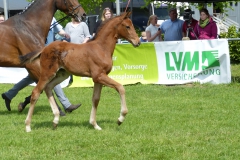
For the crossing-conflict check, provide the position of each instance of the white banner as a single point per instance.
(176, 62)
(203, 61)
(14, 75)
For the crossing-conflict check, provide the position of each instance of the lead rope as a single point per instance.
(61, 20)
(57, 22)
(127, 5)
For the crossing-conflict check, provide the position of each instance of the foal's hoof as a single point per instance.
(28, 129)
(54, 126)
(119, 122)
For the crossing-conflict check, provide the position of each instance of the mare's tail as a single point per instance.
(28, 58)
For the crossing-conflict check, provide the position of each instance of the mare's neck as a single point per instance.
(39, 16)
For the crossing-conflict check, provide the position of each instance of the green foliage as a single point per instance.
(59, 15)
(90, 5)
(234, 48)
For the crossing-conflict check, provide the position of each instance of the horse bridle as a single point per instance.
(70, 14)
(74, 8)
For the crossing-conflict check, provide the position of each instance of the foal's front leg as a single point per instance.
(105, 80)
(95, 100)
(60, 76)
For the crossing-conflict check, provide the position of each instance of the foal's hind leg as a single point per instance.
(95, 100)
(34, 97)
(43, 81)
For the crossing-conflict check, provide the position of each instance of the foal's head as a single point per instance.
(71, 8)
(126, 29)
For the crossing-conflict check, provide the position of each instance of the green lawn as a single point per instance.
(183, 122)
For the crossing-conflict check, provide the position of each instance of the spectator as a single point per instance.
(206, 27)
(9, 95)
(189, 24)
(172, 28)
(106, 14)
(78, 31)
(152, 32)
(2, 18)
(143, 37)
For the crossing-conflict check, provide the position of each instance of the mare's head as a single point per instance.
(126, 29)
(71, 8)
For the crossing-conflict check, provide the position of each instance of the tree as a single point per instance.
(90, 5)
(223, 6)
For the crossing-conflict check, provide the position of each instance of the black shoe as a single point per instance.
(7, 102)
(72, 107)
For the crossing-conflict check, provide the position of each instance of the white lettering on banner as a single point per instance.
(136, 67)
(115, 68)
(127, 76)
(114, 58)
(84, 78)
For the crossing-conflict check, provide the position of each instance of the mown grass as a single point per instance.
(164, 122)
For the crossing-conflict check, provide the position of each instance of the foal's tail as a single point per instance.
(28, 58)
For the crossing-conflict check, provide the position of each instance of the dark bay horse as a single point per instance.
(92, 59)
(27, 31)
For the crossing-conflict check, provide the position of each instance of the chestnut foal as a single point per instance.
(93, 59)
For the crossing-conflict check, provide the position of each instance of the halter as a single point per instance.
(69, 14)
(74, 8)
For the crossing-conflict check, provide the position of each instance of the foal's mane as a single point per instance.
(26, 8)
(101, 26)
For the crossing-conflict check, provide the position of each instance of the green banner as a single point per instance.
(130, 65)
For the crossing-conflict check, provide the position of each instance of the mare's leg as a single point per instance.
(95, 100)
(105, 80)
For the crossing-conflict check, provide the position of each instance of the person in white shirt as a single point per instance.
(78, 31)
(152, 32)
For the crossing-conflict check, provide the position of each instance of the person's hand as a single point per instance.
(159, 31)
(185, 38)
(67, 36)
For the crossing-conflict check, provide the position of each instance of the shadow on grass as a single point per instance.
(37, 110)
(84, 124)
(8, 112)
